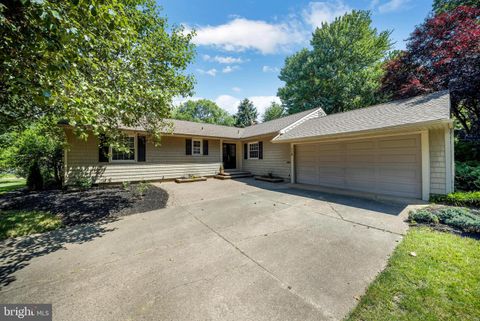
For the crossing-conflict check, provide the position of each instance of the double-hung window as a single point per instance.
(253, 150)
(196, 147)
(122, 155)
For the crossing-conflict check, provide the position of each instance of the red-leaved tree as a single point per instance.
(442, 53)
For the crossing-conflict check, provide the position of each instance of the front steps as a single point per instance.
(231, 174)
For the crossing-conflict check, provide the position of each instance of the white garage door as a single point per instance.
(390, 165)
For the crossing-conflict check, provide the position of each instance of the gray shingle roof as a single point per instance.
(274, 126)
(420, 109)
(183, 127)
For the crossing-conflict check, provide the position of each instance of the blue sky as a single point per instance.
(242, 45)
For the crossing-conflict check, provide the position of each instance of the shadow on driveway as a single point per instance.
(345, 200)
(16, 253)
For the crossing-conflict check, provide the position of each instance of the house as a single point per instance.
(402, 148)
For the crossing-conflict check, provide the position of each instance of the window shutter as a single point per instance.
(205, 147)
(188, 147)
(245, 151)
(141, 148)
(260, 150)
(103, 149)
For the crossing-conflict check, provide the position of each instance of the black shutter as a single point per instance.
(103, 149)
(205, 147)
(188, 147)
(260, 150)
(245, 151)
(141, 148)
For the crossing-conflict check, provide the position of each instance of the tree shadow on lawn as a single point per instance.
(16, 253)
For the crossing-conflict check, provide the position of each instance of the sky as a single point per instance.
(242, 45)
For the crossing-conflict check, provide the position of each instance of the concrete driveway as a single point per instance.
(221, 250)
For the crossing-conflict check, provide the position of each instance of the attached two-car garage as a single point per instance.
(386, 165)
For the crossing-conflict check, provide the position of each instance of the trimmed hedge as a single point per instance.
(457, 217)
(466, 199)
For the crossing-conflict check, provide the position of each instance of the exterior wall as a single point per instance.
(276, 159)
(438, 166)
(164, 162)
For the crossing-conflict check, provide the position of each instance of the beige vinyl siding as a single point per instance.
(164, 162)
(276, 159)
(437, 161)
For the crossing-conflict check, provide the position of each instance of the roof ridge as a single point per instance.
(389, 102)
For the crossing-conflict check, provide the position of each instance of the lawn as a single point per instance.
(19, 223)
(442, 282)
(10, 182)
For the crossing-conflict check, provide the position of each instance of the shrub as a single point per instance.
(457, 217)
(423, 216)
(466, 199)
(82, 182)
(140, 189)
(467, 176)
(34, 177)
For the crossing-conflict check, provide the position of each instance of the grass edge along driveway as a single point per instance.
(440, 283)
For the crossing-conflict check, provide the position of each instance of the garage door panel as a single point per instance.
(386, 166)
(397, 143)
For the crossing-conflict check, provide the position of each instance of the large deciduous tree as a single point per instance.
(343, 69)
(246, 115)
(94, 64)
(442, 53)
(274, 111)
(203, 111)
(441, 6)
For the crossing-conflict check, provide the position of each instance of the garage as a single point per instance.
(386, 165)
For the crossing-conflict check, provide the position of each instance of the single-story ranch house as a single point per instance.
(403, 149)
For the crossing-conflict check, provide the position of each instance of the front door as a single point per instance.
(229, 156)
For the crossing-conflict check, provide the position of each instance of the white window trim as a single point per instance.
(248, 150)
(110, 151)
(201, 146)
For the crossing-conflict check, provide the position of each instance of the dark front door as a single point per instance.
(229, 156)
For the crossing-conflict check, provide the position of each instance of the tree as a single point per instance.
(442, 6)
(343, 69)
(246, 115)
(35, 153)
(203, 111)
(442, 53)
(94, 65)
(273, 111)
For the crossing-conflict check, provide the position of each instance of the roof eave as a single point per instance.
(418, 126)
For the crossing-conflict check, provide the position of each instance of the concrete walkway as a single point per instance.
(221, 250)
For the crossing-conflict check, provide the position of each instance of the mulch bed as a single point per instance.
(96, 204)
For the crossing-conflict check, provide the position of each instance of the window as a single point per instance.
(121, 156)
(253, 150)
(196, 147)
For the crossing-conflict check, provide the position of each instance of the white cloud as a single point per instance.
(227, 102)
(223, 59)
(211, 72)
(270, 69)
(393, 5)
(177, 101)
(242, 34)
(320, 12)
(230, 103)
(237, 89)
(229, 69)
(262, 102)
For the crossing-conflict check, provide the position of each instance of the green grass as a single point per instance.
(19, 223)
(441, 283)
(10, 182)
